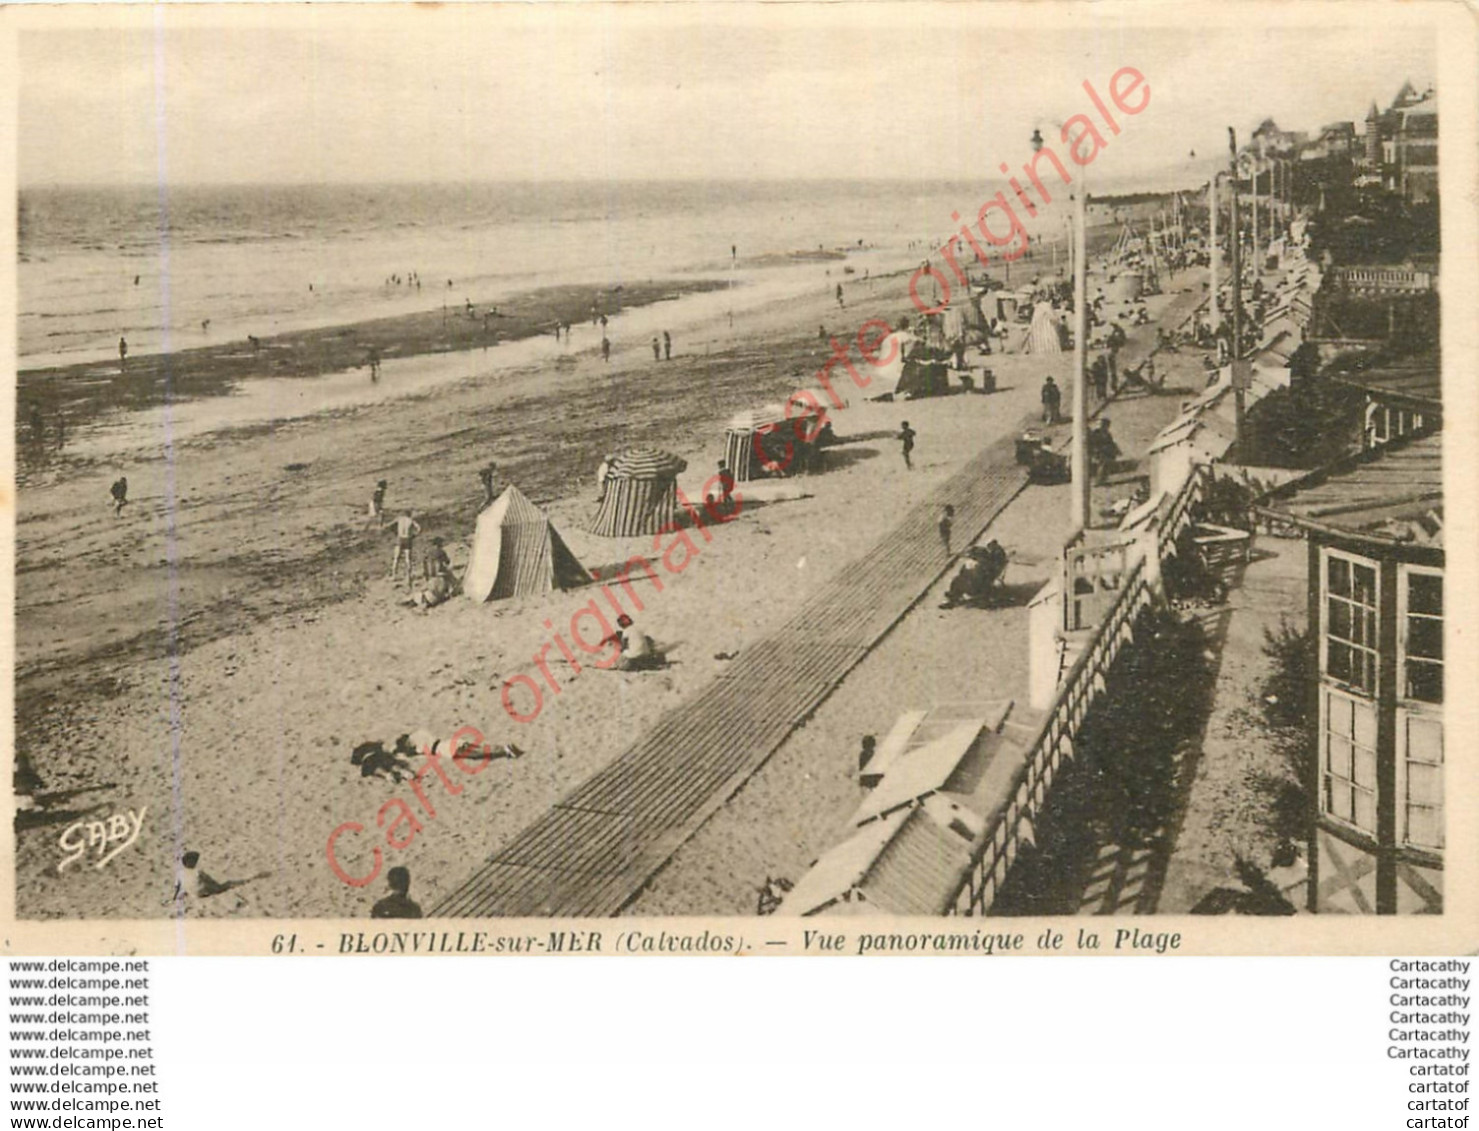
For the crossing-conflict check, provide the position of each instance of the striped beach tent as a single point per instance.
(641, 494)
(516, 551)
(1043, 336)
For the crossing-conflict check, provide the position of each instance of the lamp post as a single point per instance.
(1237, 290)
(1212, 209)
(1079, 464)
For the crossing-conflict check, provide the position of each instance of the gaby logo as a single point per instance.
(103, 838)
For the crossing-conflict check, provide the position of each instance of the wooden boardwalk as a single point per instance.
(599, 846)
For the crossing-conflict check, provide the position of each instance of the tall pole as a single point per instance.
(1255, 217)
(1080, 467)
(1237, 288)
(1212, 209)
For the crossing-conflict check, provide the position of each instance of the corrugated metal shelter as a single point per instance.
(641, 494)
(516, 551)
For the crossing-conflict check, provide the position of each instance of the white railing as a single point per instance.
(1011, 821)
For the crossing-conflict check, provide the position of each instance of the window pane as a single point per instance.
(1424, 741)
(1365, 817)
(1338, 576)
(1365, 768)
(1338, 757)
(1425, 826)
(1424, 784)
(1363, 670)
(1425, 637)
(1424, 594)
(1338, 711)
(1340, 619)
(1365, 729)
(1368, 630)
(1338, 661)
(1364, 584)
(1425, 681)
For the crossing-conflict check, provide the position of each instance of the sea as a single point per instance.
(184, 266)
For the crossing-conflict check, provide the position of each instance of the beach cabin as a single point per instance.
(910, 845)
(640, 494)
(765, 445)
(1374, 524)
(1401, 400)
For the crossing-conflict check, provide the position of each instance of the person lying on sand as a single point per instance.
(374, 760)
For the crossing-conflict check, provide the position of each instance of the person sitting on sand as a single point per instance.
(637, 651)
(119, 491)
(441, 582)
(398, 904)
(195, 881)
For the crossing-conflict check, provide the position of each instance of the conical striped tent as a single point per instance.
(1042, 335)
(516, 551)
(641, 494)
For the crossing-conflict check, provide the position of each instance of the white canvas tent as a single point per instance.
(886, 378)
(516, 551)
(1043, 335)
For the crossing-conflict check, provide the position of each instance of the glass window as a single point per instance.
(1350, 621)
(1420, 659)
(1348, 760)
(1422, 776)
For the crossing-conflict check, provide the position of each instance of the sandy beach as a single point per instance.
(274, 644)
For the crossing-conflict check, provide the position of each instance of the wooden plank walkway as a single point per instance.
(597, 848)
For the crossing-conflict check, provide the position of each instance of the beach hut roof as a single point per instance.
(646, 463)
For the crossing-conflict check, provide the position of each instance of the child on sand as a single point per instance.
(406, 529)
(947, 521)
(377, 507)
(906, 435)
(119, 491)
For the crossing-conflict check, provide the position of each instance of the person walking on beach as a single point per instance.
(1052, 398)
(122, 352)
(656, 349)
(374, 360)
(605, 348)
(119, 491)
(667, 346)
(398, 904)
(947, 523)
(906, 435)
(839, 296)
(376, 516)
(487, 474)
(406, 529)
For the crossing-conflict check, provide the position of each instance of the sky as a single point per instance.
(622, 92)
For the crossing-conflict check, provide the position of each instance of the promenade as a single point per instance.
(599, 846)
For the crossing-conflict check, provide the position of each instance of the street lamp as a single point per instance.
(1079, 498)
